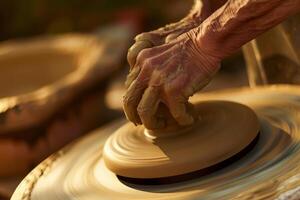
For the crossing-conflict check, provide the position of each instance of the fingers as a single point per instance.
(177, 92)
(143, 41)
(178, 109)
(154, 37)
(134, 51)
(145, 59)
(133, 74)
(131, 100)
(173, 36)
(141, 105)
(147, 108)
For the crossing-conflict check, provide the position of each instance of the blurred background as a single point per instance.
(63, 66)
(20, 19)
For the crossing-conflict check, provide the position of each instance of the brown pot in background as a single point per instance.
(52, 91)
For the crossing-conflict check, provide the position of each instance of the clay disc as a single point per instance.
(224, 129)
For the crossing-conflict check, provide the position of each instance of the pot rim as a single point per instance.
(32, 108)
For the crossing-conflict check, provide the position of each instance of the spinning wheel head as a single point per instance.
(223, 130)
(271, 169)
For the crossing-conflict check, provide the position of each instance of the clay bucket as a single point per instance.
(52, 90)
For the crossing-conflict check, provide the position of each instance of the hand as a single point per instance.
(167, 74)
(199, 12)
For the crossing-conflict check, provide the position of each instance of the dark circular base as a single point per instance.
(191, 175)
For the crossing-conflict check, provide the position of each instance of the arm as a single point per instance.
(239, 21)
(170, 73)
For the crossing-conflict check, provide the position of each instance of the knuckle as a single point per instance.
(146, 67)
(130, 52)
(146, 36)
(147, 63)
(133, 49)
(144, 54)
(141, 36)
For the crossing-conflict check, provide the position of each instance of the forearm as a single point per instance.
(239, 21)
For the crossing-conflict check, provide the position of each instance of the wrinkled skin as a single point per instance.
(200, 11)
(171, 64)
(167, 74)
(168, 77)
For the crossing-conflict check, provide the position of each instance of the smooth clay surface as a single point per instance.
(223, 129)
(270, 170)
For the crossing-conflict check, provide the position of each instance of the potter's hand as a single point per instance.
(198, 14)
(167, 74)
(170, 73)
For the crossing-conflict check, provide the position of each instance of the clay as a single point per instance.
(52, 91)
(222, 130)
(33, 97)
(269, 170)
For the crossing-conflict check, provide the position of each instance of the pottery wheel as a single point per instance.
(270, 170)
(222, 130)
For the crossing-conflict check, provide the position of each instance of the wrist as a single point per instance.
(204, 51)
(207, 62)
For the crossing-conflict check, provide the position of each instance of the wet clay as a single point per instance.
(270, 170)
(223, 129)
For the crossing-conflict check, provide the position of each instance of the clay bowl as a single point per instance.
(269, 170)
(51, 91)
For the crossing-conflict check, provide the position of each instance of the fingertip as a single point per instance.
(131, 100)
(135, 49)
(131, 115)
(147, 36)
(179, 111)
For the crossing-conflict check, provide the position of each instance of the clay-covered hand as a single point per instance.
(199, 12)
(167, 74)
